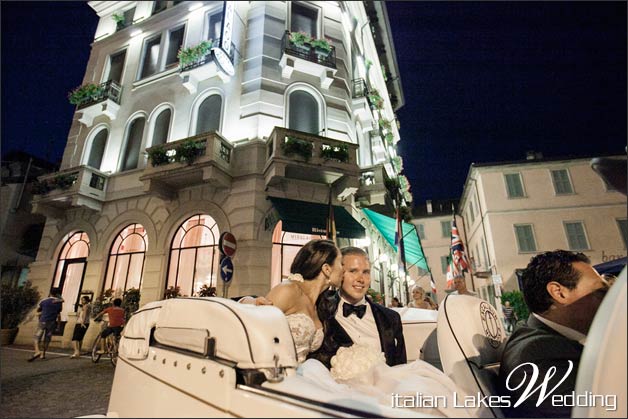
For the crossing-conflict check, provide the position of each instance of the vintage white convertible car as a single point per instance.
(212, 357)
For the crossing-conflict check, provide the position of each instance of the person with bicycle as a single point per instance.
(116, 321)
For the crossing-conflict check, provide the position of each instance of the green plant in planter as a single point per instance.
(397, 163)
(207, 291)
(157, 155)
(300, 39)
(85, 92)
(390, 138)
(130, 302)
(119, 19)
(40, 188)
(194, 53)
(302, 148)
(64, 181)
(384, 124)
(404, 184)
(172, 292)
(16, 302)
(339, 153)
(321, 45)
(375, 99)
(101, 302)
(188, 151)
(407, 196)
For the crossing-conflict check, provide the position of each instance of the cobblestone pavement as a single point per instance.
(55, 387)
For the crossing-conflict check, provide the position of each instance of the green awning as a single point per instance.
(387, 226)
(311, 218)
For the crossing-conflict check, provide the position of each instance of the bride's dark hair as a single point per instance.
(310, 259)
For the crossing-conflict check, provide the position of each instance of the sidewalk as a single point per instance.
(55, 387)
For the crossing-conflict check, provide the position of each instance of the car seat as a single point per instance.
(471, 338)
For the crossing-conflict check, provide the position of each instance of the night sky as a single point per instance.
(483, 81)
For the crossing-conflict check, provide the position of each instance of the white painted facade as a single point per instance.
(232, 190)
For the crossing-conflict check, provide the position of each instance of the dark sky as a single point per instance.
(483, 81)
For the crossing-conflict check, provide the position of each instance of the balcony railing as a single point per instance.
(359, 89)
(203, 158)
(107, 90)
(77, 187)
(308, 53)
(304, 156)
(207, 58)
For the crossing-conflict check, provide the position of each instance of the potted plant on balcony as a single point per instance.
(84, 93)
(390, 138)
(157, 155)
(322, 47)
(376, 101)
(301, 41)
(302, 148)
(188, 151)
(63, 181)
(194, 54)
(119, 19)
(339, 153)
(397, 163)
(385, 124)
(40, 187)
(16, 302)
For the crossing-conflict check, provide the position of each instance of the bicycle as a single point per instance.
(111, 348)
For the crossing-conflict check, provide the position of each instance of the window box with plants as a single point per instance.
(375, 100)
(321, 46)
(339, 153)
(86, 93)
(195, 56)
(302, 148)
(300, 41)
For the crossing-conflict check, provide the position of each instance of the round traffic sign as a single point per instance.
(227, 244)
(226, 269)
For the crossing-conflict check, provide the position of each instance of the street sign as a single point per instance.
(226, 269)
(227, 244)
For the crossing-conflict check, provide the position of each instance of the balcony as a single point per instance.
(298, 155)
(202, 159)
(372, 189)
(105, 102)
(308, 60)
(202, 69)
(361, 105)
(82, 187)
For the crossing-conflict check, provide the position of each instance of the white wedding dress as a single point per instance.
(417, 380)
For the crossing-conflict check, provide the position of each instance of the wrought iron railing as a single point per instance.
(107, 90)
(308, 53)
(360, 89)
(207, 58)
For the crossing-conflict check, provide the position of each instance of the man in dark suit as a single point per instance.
(348, 317)
(563, 292)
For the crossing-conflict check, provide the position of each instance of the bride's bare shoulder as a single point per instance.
(284, 295)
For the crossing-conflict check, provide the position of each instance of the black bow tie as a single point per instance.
(359, 311)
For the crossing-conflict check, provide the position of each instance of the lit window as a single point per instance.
(194, 255)
(70, 270)
(285, 247)
(126, 259)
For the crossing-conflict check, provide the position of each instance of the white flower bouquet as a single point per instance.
(354, 362)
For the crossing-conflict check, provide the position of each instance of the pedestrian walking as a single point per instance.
(49, 310)
(81, 326)
(509, 316)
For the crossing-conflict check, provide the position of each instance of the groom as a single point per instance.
(349, 318)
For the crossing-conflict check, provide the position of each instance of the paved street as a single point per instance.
(56, 387)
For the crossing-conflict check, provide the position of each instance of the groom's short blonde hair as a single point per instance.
(352, 250)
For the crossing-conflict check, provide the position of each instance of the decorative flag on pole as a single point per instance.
(457, 250)
(452, 272)
(331, 223)
(401, 253)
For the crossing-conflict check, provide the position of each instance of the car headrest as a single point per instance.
(248, 335)
(602, 369)
(417, 325)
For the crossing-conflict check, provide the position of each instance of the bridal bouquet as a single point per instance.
(355, 361)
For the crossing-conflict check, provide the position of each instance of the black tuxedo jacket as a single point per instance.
(541, 345)
(388, 325)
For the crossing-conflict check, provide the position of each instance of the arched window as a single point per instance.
(303, 113)
(162, 127)
(70, 270)
(208, 116)
(133, 144)
(194, 255)
(285, 247)
(97, 149)
(126, 259)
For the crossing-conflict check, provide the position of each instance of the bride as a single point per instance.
(358, 371)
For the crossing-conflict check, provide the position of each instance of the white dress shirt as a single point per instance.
(362, 331)
(567, 332)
